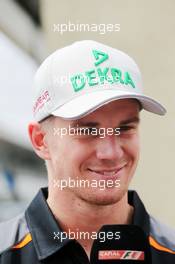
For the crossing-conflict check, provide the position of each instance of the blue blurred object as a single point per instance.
(9, 176)
(10, 179)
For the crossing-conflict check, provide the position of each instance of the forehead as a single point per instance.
(118, 109)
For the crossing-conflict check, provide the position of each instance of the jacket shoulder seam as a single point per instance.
(12, 232)
(162, 236)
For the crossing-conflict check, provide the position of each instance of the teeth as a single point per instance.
(107, 173)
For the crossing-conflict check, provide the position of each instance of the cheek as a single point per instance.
(132, 147)
(59, 151)
(79, 154)
(69, 153)
(136, 148)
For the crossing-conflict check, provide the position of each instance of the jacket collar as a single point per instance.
(42, 223)
(140, 217)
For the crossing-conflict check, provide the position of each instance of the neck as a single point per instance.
(77, 216)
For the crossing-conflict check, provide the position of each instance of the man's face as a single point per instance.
(97, 159)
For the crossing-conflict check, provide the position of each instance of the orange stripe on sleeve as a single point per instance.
(24, 242)
(156, 245)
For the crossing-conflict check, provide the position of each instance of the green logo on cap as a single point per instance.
(97, 55)
(100, 75)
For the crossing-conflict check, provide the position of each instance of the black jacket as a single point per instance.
(29, 238)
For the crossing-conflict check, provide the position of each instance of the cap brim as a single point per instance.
(87, 103)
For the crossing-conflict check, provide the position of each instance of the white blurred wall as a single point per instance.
(17, 72)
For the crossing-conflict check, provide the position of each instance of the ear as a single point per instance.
(37, 137)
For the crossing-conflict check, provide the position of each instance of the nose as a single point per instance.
(109, 148)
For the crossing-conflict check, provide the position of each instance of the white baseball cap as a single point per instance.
(76, 80)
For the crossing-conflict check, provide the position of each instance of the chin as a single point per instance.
(102, 198)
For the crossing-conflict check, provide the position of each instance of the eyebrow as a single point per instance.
(85, 124)
(96, 124)
(135, 119)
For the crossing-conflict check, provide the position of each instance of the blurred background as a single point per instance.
(29, 31)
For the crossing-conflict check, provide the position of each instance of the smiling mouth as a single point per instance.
(108, 173)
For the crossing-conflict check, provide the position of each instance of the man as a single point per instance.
(87, 101)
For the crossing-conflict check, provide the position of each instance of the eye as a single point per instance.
(86, 131)
(125, 128)
(89, 130)
(128, 129)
